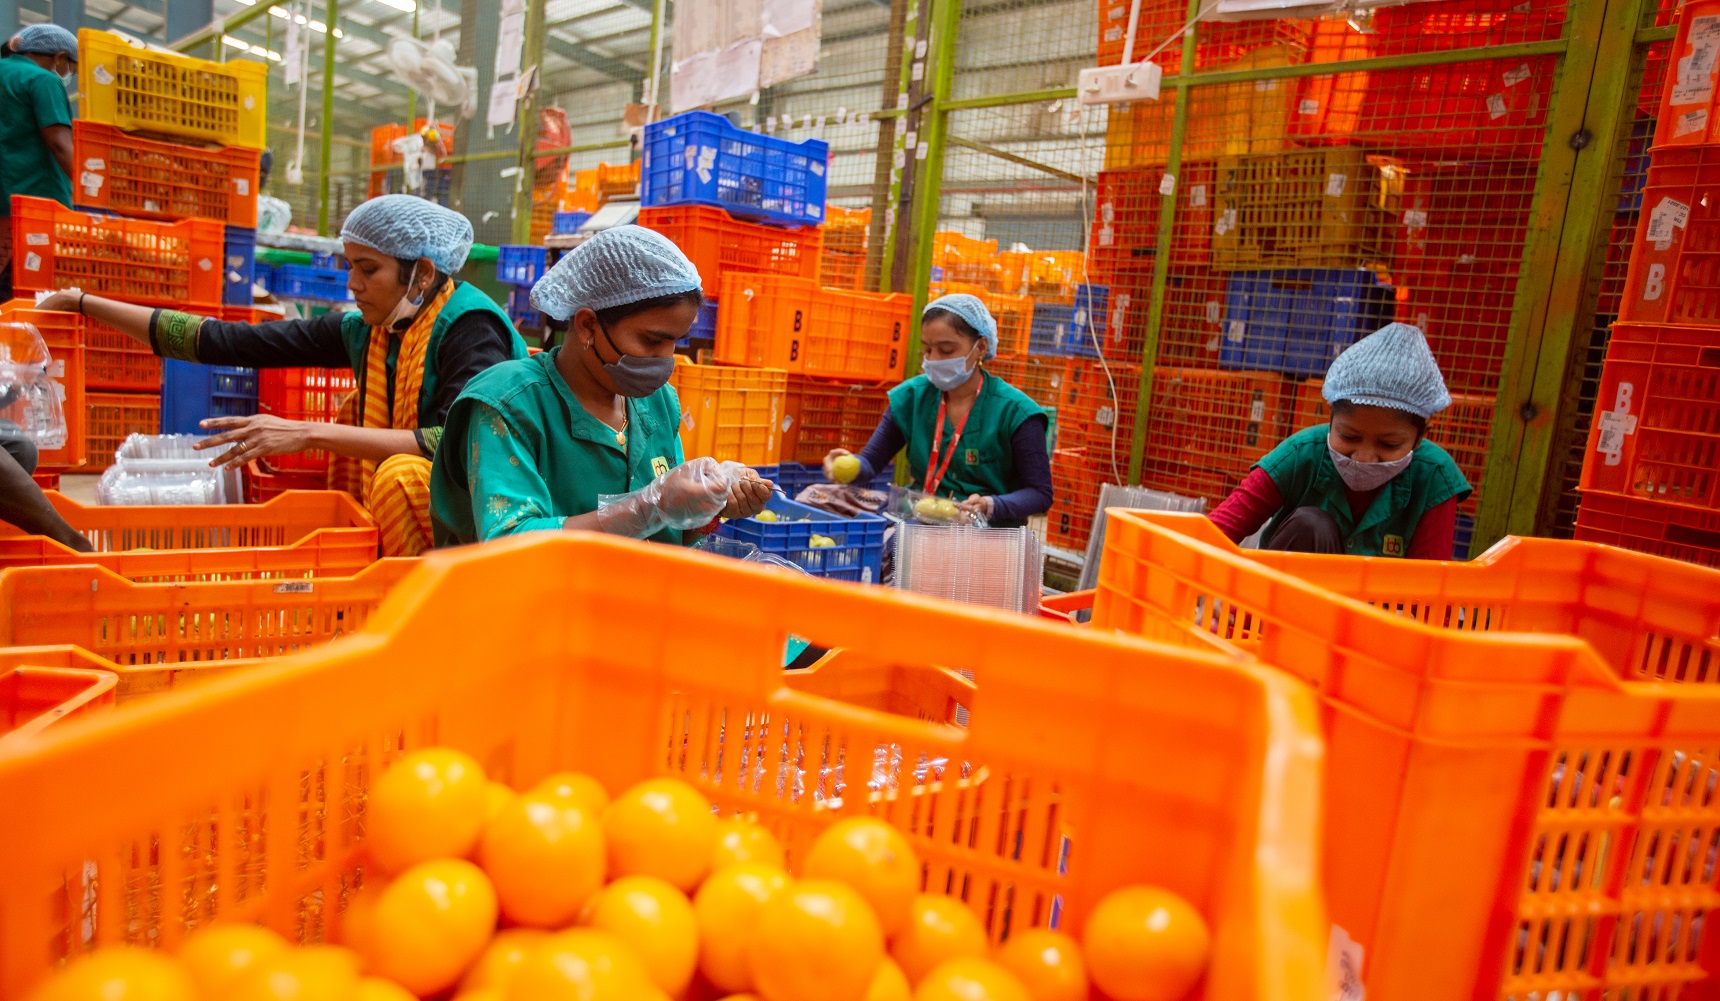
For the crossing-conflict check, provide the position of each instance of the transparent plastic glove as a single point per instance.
(685, 497)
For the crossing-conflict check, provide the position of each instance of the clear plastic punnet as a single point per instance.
(32, 401)
(166, 469)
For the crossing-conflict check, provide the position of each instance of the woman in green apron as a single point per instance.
(970, 435)
(1368, 483)
(586, 435)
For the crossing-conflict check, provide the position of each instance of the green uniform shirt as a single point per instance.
(985, 459)
(1302, 470)
(34, 98)
(521, 454)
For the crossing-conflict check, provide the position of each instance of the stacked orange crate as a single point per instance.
(1651, 469)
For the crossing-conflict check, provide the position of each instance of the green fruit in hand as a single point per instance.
(765, 516)
(845, 468)
(946, 507)
(926, 507)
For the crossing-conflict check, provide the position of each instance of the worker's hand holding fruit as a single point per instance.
(748, 494)
(975, 504)
(841, 466)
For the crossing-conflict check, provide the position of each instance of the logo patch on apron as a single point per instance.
(1392, 545)
(970, 456)
(660, 465)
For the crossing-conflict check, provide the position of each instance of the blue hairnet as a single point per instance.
(408, 227)
(971, 309)
(1391, 367)
(617, 266)
(46, 40)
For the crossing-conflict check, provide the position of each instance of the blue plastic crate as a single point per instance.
(704, 326)
(1635, 175)
(438, 182)
(700, 158)
(239, 263)
(858, 553)
(190, 392)
(1063, 329)
(793, 477)
(305, 281)
(1462, 538)
(564, 223)
(520, 265)
(336, 261)
(263, 273)
(521, 310)
(1297, 320)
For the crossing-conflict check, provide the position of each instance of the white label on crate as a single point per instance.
(57, 368)
(1196, 195)
(250, 102)
(1213, 308)
(1116, 13)
(687, 419)
(1168, 184)
(1614, 427)
(1335, 185)
(242, 185)
(1421, 319)
(707, 157)
(1080, 318)
(921, 150)
(1212, 344)
(1234, 330)
(1226, 222)
(95, 163)
(295, 587)
(1669, 215)
(1105, 416)
(91, 181)
(1113, 33)
(1257, 411)
(817, 167)
(103, 75)
(1694, 79)
(1495, 105)
(36, 239)
(770, 123)
(1344, 968)
(1107, 213)
(1266, 85)
(1414, 219)
(1309, 106)
(32, 262)
(151, 205)
(1107, 235)
(205, 264)
(787, 422)
(1690, 121)
(1514, 77)
(1466, 258)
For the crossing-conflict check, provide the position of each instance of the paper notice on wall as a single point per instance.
(780, 18)
(504, 100)
(1196, 195)
(510, 39)
(1168, 184)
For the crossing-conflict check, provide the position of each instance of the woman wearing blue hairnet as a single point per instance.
(417, 337)
(969, 434)
(587, 435)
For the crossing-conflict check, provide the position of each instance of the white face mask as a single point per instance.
(1365, 476)
(407, 308)
(946, 374)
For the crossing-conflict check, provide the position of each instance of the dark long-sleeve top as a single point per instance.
(1032, 465)
(473, 342)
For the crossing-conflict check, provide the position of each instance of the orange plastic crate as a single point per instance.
(145, 178)
(1463, 225)
(382, 138)
(112, 361)
(1039, 376)
(124, 682)
(719, 244)
(1212, 762)
(1674, 272)
(67, 369)
(138, 260)
(36, 697)
(1075, 482)
(264, 483)
(618, 180)
(47, 481)
(1678, 533)
(731, 413)
(1519, 747)
(1656, 432)
(822, 414)
(842, 269)
(303, 394)
(793, 324)
(1126, 219)
(112, 418)
(1220, 420)
(1689, 115)
(159, 623)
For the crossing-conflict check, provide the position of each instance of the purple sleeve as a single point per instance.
(887, 439)
(1033, 468)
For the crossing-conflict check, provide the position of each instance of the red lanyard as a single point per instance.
(934, 471)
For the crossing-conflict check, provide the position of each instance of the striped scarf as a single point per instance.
(354, 475)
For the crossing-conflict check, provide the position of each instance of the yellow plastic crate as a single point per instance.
(1298, 208)
(1228, 119)
(731, 413)
(147, 90)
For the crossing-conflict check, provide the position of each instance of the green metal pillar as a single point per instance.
(915, 28)
(928, 192)
(331, 17)
(1162, 253)
(1570, 222)
(525, 187)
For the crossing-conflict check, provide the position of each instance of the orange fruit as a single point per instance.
(217, 956)
(313, 973)
(481, 994)
(727, 909)
(1143, 943)
(939, 928)
(378, 989)
(970, 978)
(873, 858)
(815, 941)
(502, 957)
(742, 840)
(547, 856)
(580, 965)
(430, 804)
(656, 922)
(662, 828)
(119, 973)
(1048, 963)
(430, 924)
(890, 983)
(577, 786)
(499, 797)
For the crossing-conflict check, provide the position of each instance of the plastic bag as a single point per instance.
(165, 469)
(273, 214)
(921, 508)
(32, 401)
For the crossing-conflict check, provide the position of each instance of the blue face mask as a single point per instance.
(634, 375)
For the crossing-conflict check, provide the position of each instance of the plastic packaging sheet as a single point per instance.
(1136, 498)
(996, 567)
(165, 469)
(31, 398)
(918, 507)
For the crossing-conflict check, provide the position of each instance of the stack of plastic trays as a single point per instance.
(1135, 498)
(995, 567)
(165, 469)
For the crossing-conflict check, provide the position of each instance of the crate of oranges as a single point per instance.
(467, 800)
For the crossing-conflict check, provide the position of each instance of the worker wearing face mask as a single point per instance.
(586, 436)
(36, 64)
(970, 435)
(1368, 483)
(416, 338)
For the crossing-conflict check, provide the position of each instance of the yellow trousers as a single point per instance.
(399, 501)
